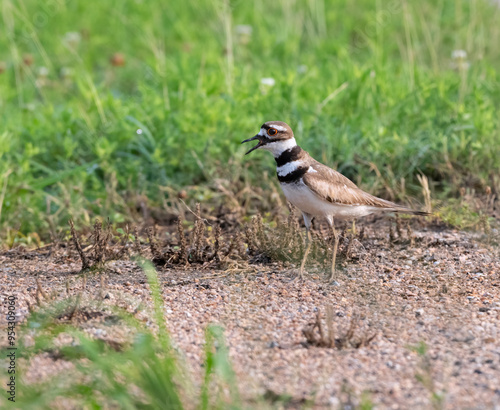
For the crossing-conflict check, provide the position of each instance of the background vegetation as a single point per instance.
(105, 102)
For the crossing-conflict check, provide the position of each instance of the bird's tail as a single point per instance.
(403, 210)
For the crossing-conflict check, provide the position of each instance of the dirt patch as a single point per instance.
(426, 303)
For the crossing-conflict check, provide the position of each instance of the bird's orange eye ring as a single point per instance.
(272, 132)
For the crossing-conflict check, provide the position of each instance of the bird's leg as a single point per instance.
(307, 221)
(351, 239)
(335, 247)
(306, 253)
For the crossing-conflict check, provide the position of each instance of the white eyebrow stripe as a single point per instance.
(278, 127)
(288, 167)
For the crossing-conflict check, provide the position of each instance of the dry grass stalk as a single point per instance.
(485, 224)
(232, 245)
(251, 239)
(158, 257)
(99, 241)
(399, 226)
(183, 253)
(123, 240)
(258, 228)
(424, 181)
(409, 233)
(361, 235)
(198, 235)
(217, 235)
(137, 244)
(343, 237)
(489, 204)
(348, 247)
(74, 308)
(76, 242)
(392, 237)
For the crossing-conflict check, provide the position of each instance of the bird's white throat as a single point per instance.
(278, 147)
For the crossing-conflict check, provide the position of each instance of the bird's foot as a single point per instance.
(299, 277)
(331, 279)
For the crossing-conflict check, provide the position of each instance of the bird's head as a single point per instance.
(274, 136)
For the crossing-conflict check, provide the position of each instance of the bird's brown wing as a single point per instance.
(330, 185)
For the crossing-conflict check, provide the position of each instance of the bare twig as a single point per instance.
(198, 216)
(76, 242)
(183, 255)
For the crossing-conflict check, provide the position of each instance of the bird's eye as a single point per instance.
(272, 132)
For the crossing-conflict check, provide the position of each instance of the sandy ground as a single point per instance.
(444, 291)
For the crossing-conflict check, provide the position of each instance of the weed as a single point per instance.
(410, 235)
(215, 255)
(198, 236)
(183, 253)
(76, 242)
(218, 371)
(137, 244)
(392, 236)
(329, 338)
(399, 227)
(98, 253)
(462, 214)
(426, 377)
(426, 192)
(158, 256)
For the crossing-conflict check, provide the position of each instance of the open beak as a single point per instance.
(257, 137)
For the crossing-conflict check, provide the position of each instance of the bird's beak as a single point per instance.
(257, 137)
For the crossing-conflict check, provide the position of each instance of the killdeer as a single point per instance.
(314, 188)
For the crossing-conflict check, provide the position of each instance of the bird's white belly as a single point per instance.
(303, 198)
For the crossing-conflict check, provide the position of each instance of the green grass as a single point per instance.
(146, 373)
(365, 85)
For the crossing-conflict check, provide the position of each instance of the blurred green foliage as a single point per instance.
(103, 100)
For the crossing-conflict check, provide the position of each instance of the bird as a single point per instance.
(316, 189)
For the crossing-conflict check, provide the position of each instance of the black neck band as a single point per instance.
(291, 154)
